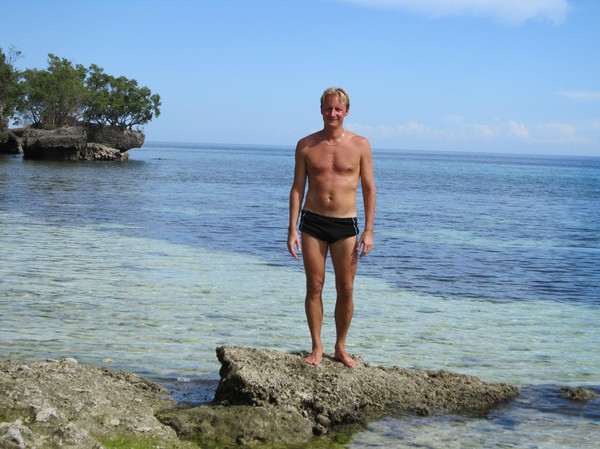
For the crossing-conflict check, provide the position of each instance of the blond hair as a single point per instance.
(339, 92)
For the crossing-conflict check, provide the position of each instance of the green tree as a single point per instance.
(56, 96)
(119, 101)
(10, 86)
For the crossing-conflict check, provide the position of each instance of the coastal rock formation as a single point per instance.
(10, 142)
(82, 142)
(264, 397)
(282, 399)
(60, 403)
(578, 394)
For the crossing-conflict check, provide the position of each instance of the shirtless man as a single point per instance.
(333, 161)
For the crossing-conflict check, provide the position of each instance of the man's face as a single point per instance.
(333, 110)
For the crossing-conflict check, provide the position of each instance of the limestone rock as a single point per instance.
(109, 136)
(261, 377)
(264, 398)
(263, 391)
(82, 142)
(59, 403)
(10, 142)
(57, 144)
(99, 152)
(580, 394)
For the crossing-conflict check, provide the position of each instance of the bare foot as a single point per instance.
(315, 358)
(344, 357)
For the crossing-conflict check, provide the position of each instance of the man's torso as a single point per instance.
(333, 173)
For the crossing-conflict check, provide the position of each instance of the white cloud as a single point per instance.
(485, 131)
(581, 95)
(457, 131)
(560, 133)
(510, 11)
(518, 130)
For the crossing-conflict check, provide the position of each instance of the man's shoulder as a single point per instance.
(360, 141)
(309, 141)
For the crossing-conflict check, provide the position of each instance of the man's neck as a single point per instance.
(333, 133)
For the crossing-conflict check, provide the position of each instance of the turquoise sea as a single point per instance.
(484, 264)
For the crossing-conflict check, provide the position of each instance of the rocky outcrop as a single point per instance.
(10, 141)
(82, 142)
(282, 399)
(578, 394)
(264, 397)
(60, 403)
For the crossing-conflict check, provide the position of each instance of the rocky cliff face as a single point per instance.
(83, 142)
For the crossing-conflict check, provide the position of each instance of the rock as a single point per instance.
(218, 426)
(110, 136)
(264, 398)
(10, 142)
(14, 435)
(579, 394)
(56, 144)
(262, 392)
(99, 152)
(60, 403)
(82, 142)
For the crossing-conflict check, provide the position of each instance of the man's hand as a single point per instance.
(366, 241)
(293, 243)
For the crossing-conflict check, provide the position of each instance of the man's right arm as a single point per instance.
(296, 197)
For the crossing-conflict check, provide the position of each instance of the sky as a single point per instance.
(503, 76)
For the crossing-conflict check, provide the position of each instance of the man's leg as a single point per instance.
(345, 261)
(314, 253)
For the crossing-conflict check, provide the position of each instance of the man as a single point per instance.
(333, 161)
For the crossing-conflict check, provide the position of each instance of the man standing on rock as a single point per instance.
(333, 161)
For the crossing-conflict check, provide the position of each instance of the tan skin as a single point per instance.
(333, 161)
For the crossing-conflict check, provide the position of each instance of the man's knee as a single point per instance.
(314, 287)
(344, 288)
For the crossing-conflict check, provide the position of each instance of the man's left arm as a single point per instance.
(367, 179)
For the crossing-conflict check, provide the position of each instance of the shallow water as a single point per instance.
(485, 265)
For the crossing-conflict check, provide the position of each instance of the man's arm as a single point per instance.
(296, 197)
(367, 178)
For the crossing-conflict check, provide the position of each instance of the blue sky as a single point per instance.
(518, 76)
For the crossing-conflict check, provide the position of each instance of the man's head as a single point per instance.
(338, 92)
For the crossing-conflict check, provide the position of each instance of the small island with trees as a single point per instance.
(70, 112)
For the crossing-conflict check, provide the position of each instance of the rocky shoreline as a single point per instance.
(264, 397)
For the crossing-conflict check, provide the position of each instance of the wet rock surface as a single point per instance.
(283, 399)
(578, 394)
(264, 397)
(62, 404)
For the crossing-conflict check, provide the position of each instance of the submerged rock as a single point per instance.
(579, 394)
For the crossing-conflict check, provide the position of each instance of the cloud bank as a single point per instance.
(509, 11)
(458, 132)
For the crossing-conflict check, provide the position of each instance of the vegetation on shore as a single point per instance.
(65, 94)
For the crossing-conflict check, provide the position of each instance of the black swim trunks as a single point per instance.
(328, 229)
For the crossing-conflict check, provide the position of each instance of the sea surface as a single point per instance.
(483, 264)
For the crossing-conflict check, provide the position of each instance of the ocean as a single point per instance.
(483, 264)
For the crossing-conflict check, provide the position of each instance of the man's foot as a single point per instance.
(344, 357)
(315, 358)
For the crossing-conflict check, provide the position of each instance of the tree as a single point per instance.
(55, 97)
(119, 101)
(10, 87)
